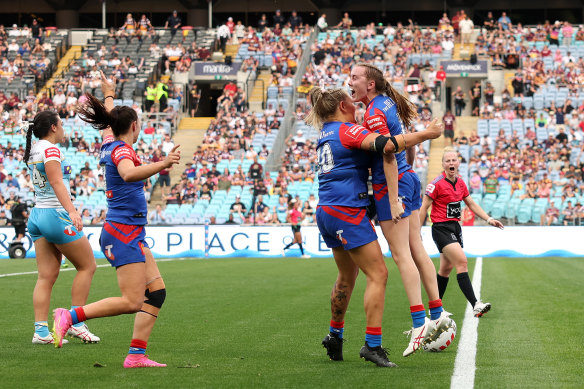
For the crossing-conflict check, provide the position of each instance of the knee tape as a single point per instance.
(156, 298)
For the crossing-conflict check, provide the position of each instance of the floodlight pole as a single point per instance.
(103, 12)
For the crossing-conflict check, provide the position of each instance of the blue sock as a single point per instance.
(418, 315)
(435, 309)
(373, 336)
(41, 328)
(74, 316)
(337, 328)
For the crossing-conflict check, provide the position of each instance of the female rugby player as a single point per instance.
(55, 226)
(122, 237)
(341, 213)
(445, 194)
(388, 112)
(294, 217)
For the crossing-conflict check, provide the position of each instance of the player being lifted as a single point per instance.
(388, 112)
(122, 237)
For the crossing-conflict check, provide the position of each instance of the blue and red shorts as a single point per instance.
(409, 191)
(344, 226)
(123, 244)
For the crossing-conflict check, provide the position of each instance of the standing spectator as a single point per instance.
(346, 21)
(466, 28)
(504, 21)
(449, 121)
(174, 22)
(321, 23)
(278, 19)
(150, 94)
(162, 95)
(230, 24)
(459, 103)
(262, 23)
(36, 30)
(223, 34)
(295, 20)
(475, 98)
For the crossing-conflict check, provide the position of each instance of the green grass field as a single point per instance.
(259, 322)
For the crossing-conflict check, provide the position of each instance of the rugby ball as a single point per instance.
(444, 340)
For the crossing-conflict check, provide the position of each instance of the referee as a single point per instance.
(445, 194)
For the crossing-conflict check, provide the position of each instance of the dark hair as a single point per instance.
(40, 127)
(118, 119)
(405, 109)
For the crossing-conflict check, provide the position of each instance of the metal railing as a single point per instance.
(274, 159)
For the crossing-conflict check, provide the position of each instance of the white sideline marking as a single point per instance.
(464, 366)
(105, 265)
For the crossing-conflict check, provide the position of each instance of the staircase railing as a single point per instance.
(275, 157)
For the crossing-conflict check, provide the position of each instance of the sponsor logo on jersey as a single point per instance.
(373, 122)
(388, 104)
(121, 153)
(109, 194)
(69, 231)
(52, 152)
(354, 131)
(430, 188)
(340, 237)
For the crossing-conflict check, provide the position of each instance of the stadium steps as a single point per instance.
(74, 52)
(260, 91)
(464, 123)
(463, 52)
(231, 50)
(189, 135)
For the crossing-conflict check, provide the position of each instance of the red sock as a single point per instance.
(435, 303)
(80, 314)
(337, 324)
(373, 330)
(417, 308)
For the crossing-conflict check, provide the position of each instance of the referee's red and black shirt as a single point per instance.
(447, 196)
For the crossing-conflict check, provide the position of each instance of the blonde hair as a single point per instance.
(449, 150)
(405, 109)
(324, 105)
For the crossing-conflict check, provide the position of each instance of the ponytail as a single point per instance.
(94, 112)
(29, 132)
(405, 109)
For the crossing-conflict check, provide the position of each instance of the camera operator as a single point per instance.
(19, 212)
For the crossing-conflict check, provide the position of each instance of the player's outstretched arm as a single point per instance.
(131, 173)
(481, 213)
(108, 88)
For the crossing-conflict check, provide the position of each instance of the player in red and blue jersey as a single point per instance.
(342, 217)
(444, 194)
(122, 238)
(388, 112)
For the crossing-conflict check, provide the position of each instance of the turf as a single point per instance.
(259, 322)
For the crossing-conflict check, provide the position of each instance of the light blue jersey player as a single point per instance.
(48, 218)
(55, 226)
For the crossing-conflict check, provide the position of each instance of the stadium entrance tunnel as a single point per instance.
(210, 92)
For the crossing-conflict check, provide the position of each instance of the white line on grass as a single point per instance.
(106, 265)
(464, 366)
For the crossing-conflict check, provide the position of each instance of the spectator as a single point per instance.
(569, 214)
(468, 217)
(466, 29)
(449, 121)
(459, 104)
(278, 19)
(345, 22)
(491, 184)
(223, 35)
(174, 22)
(230, 220)
(295, 20)
(504, 21)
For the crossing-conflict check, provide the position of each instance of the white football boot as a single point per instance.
(420, 336)
(83, 333)
(481, 308)
(37, 339)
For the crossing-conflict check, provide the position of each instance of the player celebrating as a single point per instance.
(341, 214)
(294, 217)
(388, 112)
(122, 237)
(445, 194)
(55, 226)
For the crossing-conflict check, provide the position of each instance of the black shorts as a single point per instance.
(20, 229)
(296, 228)
(446, 233)
(449, 134)
(164, 180)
